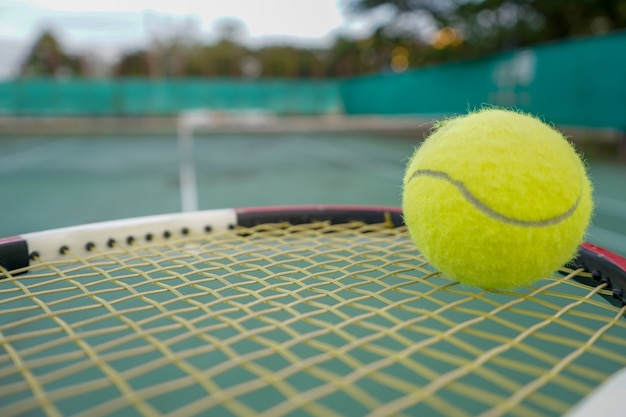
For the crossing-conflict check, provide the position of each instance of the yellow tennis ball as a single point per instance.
(496, 199)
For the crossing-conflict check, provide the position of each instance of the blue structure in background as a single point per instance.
(580, 82)
(162, 97)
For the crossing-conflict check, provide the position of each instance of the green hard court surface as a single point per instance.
(49, 182)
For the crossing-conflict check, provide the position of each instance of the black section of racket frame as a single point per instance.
(14, 253)
(334, 215)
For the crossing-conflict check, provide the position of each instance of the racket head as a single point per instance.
(312, 310)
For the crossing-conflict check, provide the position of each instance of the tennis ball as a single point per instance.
(496, 199)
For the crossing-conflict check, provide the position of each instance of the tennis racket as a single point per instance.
(297, 311)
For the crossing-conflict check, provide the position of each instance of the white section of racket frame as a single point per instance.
(606, 400)
(51, 244)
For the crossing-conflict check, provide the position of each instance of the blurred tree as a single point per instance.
(475, 28)
(179, 57)
(225, 58)
(412, 33)
(382, 51)
(199, 63)
(47, 59)
(231, 29)
(133, 64)
(564, 18)
(344, 58)
(279, 61)
(288, 61)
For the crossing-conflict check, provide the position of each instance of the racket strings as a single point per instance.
(553, 372)
(278, 318)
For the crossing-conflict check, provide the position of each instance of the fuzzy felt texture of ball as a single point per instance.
(496, 199)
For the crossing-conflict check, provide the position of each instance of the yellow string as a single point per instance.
(327, 319)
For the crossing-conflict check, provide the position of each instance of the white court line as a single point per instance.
(187, 170)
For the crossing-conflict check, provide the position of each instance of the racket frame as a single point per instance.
(603, 266)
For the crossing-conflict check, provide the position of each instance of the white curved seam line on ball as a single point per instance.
(485, 209)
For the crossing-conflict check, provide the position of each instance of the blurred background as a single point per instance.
(302, 101)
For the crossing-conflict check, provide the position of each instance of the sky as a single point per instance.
(108, 27)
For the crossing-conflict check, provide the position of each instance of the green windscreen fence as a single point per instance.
(139, 97)
(580, 82)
